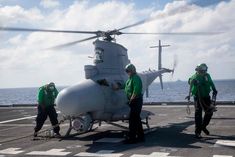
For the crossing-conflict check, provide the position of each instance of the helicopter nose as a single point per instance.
(81, 98)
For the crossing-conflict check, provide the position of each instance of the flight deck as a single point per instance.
(171, 134)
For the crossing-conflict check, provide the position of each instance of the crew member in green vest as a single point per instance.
(133, 90)
(201, 85)
(46, 102)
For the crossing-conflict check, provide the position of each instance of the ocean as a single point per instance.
(172, 92)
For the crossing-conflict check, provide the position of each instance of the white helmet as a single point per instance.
(130, 68)
(201, 67)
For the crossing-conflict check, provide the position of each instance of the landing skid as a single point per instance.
(78, 133)
(118, 125)
(145, 122)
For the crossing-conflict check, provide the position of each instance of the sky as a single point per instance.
(24, 62)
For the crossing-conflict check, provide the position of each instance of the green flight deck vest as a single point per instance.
(46, 96)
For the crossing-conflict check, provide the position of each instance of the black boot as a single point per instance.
(198, 136)
(57, 135)
(206, 131)
(35, 134)
(198, 133)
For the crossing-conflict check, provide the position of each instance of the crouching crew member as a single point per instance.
(46, 102)
(200, 87)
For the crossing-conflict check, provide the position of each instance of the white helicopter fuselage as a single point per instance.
(95, 95)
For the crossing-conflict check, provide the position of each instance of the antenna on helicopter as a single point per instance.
(160, 46)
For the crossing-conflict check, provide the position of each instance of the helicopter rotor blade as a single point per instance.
(72, 43)
(44, 30)
(138, 23)
(181, 9)
(173, 33)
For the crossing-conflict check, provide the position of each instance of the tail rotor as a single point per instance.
(175, 63)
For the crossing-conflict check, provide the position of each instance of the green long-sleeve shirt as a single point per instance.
(47, 97)
(133, 86)
(201, 84)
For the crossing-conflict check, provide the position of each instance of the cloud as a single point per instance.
(15, 40)
(16, 14)
(23, 58)
(49, 3)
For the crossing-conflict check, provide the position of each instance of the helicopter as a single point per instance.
(94, 100)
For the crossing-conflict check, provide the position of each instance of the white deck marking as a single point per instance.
(182, 106)
(102, 153)
(154, 154)
(17, 119)
(13, 126)
(73, 146)
(222, 156)
(226, 143)
(110, 140)
(20, 125)
(53, 152)
(11, 151)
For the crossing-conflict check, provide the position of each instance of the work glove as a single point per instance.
(187, 97)
(215, 92)
(130, 102)
(195, 82)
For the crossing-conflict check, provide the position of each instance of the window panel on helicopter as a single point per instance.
(99, 53)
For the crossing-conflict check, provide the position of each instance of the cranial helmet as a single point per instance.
(51, 86)
(130, 68)
(201, 67)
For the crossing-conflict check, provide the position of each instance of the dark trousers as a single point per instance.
(42, 116)
(205, 105)
(135, 124)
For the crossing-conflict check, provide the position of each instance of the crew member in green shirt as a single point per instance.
(133, 90)
(200, 88)
(46, 101)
